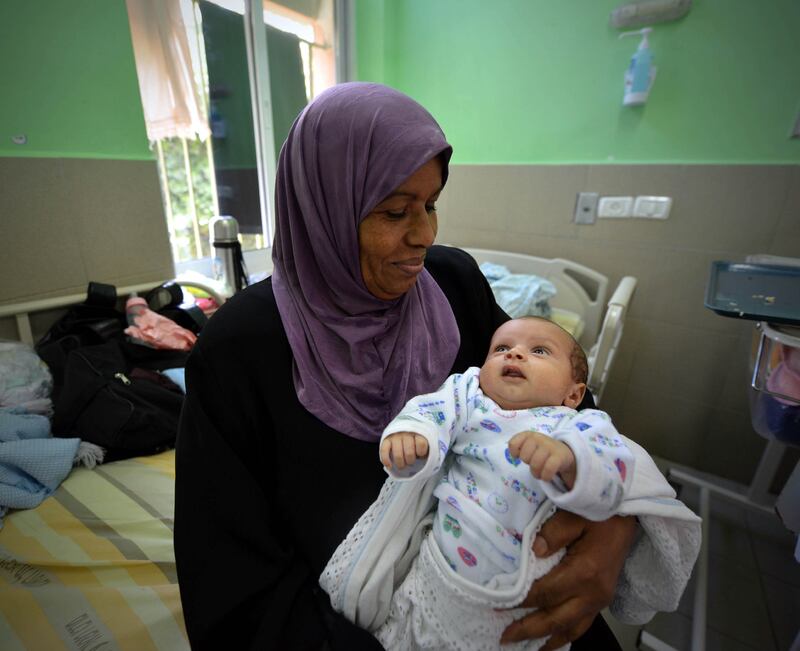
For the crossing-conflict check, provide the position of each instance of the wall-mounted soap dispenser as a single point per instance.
(641, 73)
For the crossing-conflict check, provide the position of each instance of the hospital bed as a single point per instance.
(93, 565)
(580, 305)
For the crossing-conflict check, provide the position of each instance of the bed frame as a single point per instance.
(22, 312)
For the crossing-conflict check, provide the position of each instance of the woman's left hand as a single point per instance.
(572, 594)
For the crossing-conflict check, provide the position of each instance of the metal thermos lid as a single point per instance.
(224, 229)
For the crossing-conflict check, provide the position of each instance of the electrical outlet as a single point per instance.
(586, 207)
(652, 207)
(615, 207)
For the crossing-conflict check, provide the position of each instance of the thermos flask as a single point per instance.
(228, 262)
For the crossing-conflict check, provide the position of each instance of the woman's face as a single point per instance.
(394, 237)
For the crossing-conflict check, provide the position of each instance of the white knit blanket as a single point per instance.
(375, 558)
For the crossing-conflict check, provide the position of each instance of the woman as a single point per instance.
(293, 380)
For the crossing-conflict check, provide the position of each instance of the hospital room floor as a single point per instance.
(753, 586)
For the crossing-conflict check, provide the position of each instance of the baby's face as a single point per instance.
(529, 365)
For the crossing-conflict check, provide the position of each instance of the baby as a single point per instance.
(519, 408)
(492, 453)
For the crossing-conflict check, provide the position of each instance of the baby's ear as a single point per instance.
(575, 395)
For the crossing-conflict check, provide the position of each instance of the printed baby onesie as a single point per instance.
(486, 497)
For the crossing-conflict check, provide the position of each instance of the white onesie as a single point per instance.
(392, 578)
(485, 496)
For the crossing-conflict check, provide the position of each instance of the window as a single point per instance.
(224, 163)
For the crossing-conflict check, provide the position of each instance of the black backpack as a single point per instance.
(107, 390)
(104, 399)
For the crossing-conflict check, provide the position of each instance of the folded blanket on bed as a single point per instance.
(519, 294)
(32, 463)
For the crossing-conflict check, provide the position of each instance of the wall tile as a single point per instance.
(473, 237)
(76, 220)
(787, 234)
(729, 446)
(470, 200)
(121, 222)
(40, 239)
(664, 425)
(730, 208)
(520, 199)
(783, 601)
(613, 401)
(776, 558)
(689, 363)
(736, 607)
(674, 629)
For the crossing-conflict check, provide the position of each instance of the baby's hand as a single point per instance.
(545, 456)
(403, 448)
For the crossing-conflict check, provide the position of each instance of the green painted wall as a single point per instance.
(68, 80)
(535, 81)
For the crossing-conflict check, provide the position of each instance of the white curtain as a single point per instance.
(168, 68)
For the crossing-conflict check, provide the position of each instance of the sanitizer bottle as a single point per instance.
(641, 73)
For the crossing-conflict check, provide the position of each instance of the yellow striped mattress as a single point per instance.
(92, 568)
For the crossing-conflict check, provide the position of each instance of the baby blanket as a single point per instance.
(374, 559)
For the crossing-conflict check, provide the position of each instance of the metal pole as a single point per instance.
(167, 198)
(701, 589)
(258, 68)
(198, 246)
(739, 498)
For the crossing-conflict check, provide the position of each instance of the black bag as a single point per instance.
(92, 322)
(126, 409)
(97, 320)
(105, 388)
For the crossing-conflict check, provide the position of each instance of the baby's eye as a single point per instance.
(501, 348)
(430, 209)
(540, 350)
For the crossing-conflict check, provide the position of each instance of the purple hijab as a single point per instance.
(357, 358)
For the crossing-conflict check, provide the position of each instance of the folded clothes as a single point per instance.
(153, 329)
(16, 424)
(519, 294)
(25, 379)
(32, 463)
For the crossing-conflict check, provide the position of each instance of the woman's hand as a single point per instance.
(571, 595)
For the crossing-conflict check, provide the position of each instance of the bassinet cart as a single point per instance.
(765, 289)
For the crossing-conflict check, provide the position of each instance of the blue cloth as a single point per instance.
(177, 375)
(519, 294)
(32, 463)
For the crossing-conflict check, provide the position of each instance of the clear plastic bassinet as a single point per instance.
(769, 294)
(775, 382)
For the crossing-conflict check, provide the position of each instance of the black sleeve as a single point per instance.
(244, 583)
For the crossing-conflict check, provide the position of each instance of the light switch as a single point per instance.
(652, 207)
(615, 207)
(586, 207)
